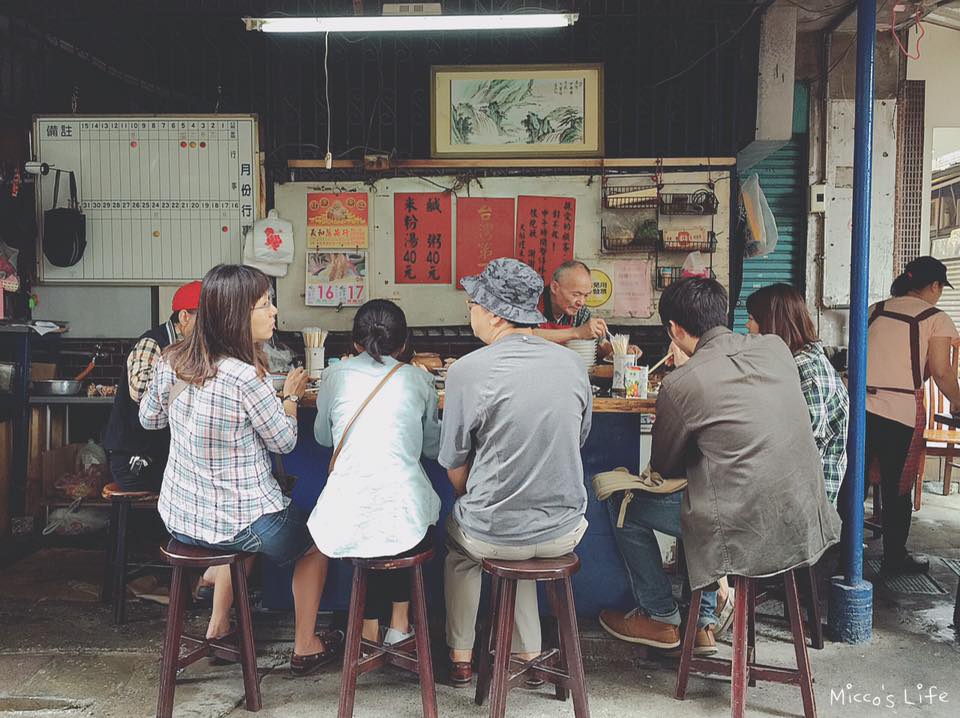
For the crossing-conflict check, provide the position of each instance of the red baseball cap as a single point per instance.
(187, 297)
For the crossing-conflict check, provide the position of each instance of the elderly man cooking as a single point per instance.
(568, 316)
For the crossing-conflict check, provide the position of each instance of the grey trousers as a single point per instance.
(462, 577)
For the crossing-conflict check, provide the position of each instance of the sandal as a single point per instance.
(305, 665)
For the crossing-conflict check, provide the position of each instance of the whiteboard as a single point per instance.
(838, 216)
(165, 197)
(444, 305)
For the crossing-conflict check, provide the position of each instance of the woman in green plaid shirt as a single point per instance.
(779, 309)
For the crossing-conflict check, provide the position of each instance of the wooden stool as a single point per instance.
(810, 595)
(562, 666)
(182, 558)
(114, 588)
(744, 669)
(412, 654)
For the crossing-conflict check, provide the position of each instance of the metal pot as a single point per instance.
(56, 387)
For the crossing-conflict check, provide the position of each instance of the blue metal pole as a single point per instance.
(851, 598)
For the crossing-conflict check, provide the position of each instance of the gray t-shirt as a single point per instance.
(518, 410)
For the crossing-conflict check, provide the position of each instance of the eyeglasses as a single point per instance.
(265, 306)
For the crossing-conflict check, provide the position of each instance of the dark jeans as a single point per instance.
(384, 588)
(148, 479)
(889, 441)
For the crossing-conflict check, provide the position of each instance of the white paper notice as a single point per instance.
(632, 289)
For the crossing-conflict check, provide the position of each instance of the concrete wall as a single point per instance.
(938, 65)
(97, 312)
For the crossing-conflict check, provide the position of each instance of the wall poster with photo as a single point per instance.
(336, 278)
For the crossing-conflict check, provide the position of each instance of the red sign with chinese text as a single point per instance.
(422, 238)
(545, 232)
(484, 232)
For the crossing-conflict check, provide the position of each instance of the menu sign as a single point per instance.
(422, 237)
(545, 232)
(484, 232)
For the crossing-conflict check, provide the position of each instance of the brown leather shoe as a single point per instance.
(635, 627)
(704, 643)
(461, 673)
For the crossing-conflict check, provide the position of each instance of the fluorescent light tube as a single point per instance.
(411, 23)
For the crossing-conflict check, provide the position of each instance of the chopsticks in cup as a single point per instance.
(314, 337)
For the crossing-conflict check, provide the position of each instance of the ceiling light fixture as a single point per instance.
(411, 23)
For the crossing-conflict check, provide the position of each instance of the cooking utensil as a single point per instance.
(659, 363)
(56, 387)
(90, 366)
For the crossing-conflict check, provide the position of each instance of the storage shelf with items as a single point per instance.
(628, 219)
(668, 275)
(701, 202)
(688, 240)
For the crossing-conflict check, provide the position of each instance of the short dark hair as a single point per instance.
(697, 305)
(175, 316)
(380, 327)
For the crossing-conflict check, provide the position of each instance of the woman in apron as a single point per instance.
(908, 341)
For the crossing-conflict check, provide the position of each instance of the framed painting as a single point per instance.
(516, 111)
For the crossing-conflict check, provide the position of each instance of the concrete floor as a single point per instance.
(68, 660)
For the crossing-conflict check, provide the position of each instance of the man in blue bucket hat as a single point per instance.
(516, 414)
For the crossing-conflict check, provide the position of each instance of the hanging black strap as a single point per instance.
(914, 323)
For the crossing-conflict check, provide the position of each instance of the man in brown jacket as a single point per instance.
(733, 420)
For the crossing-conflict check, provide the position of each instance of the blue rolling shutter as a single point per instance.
(783, 179)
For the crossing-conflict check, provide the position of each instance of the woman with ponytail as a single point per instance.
(908, 341)
(378, 500)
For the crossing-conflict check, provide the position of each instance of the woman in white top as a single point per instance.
(378, 500)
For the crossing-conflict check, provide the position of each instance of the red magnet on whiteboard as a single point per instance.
(226, 228)
(183, 144)
(202, 145)
(133, 144)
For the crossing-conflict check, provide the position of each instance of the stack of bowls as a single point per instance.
(586, 349)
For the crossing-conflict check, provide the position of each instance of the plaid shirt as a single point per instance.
(829, 409)
(142, 360)
(218, 479)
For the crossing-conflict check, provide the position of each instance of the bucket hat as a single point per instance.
(508, 288)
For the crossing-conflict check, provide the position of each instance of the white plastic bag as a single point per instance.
(695, 265)
(273, 239)
(271, 269)
(761, 227)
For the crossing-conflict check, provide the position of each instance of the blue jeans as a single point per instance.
(281, 536)
(651, 586)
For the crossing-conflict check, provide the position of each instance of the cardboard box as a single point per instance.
(42, 371)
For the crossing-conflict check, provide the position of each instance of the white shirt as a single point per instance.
(378, 501)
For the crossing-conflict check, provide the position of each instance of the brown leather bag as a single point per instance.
(343, 437)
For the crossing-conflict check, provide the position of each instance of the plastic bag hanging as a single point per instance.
(761, 227)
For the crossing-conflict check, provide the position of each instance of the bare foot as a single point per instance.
(218, 629)
(309, 647)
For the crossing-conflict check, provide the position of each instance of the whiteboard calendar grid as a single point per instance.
(165, 197)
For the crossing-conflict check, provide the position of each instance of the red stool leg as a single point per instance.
(351, 646)
(504, 637)
(487, 636)
(428, 691)
(553, 596)
(739, 669)
(813, 608)
(248, 649)
(571, 643)
(800, 644)
(171, 643)
(686, 650)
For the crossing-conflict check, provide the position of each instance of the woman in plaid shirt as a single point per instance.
(218, 490)
(779, 309)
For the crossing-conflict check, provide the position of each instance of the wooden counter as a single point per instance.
(601, 405)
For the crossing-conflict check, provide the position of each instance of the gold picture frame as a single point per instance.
(516, 111)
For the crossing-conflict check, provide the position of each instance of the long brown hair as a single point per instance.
(779, 309)
(228, 295)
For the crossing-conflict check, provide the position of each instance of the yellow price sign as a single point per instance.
(602, 289)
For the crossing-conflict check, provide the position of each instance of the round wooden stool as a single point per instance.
(744, 669)
(412, 654)
(562, 666)
(114, 588)
(184, 558)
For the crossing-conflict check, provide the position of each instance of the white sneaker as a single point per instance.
(394, 636)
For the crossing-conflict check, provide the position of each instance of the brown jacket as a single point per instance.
(733, 420)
